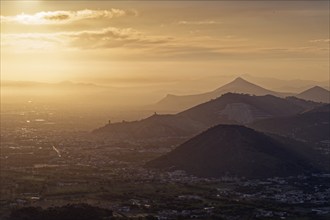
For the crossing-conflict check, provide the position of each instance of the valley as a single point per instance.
(46, 163)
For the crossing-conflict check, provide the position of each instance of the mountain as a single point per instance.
(155, 126)
(316, 93)
(310, 126)
(230, 108)
(306, 104)
(239, 85)
(233, 150)
(292, 85)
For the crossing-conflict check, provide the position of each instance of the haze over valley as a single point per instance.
(164, 110)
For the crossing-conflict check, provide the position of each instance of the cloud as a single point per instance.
(320, 41)
(110, 37)
(204, 22)
(65, 17)
(134, 44)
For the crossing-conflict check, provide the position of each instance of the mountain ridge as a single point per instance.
(238, 85)
(230, 108)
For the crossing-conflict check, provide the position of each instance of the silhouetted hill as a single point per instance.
(156, 126)
(228, 109)
(235, 150)
(239, 85)
(312, 126)
(307, 104)
(317, 94)
(243, 109)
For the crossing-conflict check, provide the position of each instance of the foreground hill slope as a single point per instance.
(228, 109)
(235, 150)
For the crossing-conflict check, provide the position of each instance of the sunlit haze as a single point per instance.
(156, 43)
(157, 110)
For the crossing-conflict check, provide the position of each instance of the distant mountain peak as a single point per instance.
(240, 85)
(317, 88)
(316, 93)
(239, 79)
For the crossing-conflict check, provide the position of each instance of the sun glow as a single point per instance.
(31, 19)
(62, 17)
(68, 36)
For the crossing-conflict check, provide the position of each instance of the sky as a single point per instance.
(141, 43)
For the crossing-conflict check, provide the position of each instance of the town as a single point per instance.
(44, 165)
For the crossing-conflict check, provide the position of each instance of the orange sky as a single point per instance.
(145, 42)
